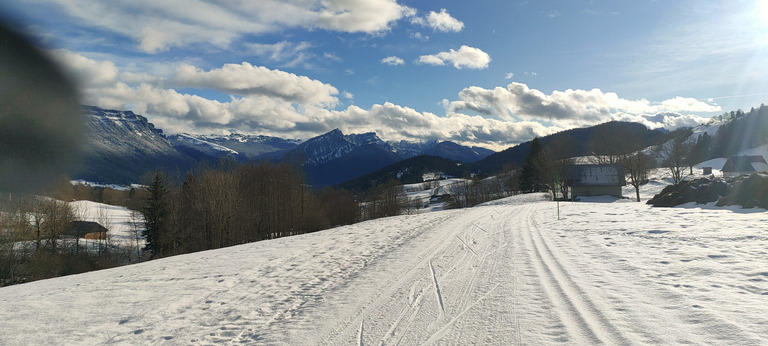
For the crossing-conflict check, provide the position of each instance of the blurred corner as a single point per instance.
(41, 121)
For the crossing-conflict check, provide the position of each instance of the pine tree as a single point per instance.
(531, 175)
(155, 216)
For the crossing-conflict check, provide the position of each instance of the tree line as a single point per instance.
(238, 203)
(545, 167)
(39, 240)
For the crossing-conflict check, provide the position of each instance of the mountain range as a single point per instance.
(122, 146)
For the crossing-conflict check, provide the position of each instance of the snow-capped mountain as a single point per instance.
(235, 145)
(324, 148)
(456, 152)
(410, 149)
(121, 146)
(334, 144)
(334, 157)
(208, 147)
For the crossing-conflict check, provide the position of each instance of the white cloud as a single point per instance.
(509, 75)
(466, 56)
(157, 26)
(393, 61)
(688, 104)
(431, 60)
(419, 36)
(246, 79)
(360, 15)
(441, 21)
(289, 53)
(85, 71)
(277, 103)
(573, 108)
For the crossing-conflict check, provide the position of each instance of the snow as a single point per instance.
(211, 146)
(416, 192)
(121, 222)
(710, 129)
(99, 185)
(506, 272)
(717, 163)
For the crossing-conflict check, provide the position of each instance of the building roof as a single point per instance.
(743, 163)
(595, 175)
(81, 228)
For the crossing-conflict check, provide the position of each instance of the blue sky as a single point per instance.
(489, 73)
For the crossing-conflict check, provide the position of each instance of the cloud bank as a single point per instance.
(157, 26)
(277, 103)
(574, 108)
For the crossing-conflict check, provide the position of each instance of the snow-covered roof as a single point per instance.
(745, 163)
(596, 175)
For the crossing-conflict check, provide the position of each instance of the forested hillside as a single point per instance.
(740, 131)
(604, 139)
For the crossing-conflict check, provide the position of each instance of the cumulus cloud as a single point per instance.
(294, 107)
(688, 104)
(360, 15)
(277, 103)
(393, 61)
(441, 21)
(246, 79)
(466, 56)
(571, 108)
(157, 26)
(85, 71)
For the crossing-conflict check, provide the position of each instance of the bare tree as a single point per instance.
(675, 156)
(388, 199)
(104, 218)
(459, 192)
(137, 223)
(637, 166)
(14, 231)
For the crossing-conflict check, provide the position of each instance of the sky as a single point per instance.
(487, 73)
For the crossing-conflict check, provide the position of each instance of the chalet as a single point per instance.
(86, 229)
(738, 165)
(439, 198)
(595, 180)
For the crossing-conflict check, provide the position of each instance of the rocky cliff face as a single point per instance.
(121, 146)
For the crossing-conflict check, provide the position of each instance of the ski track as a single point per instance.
(582, 319)
(503, 277)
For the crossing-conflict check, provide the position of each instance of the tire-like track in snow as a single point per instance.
(490, 275)
(583, 320)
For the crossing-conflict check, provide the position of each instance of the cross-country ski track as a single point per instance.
(504, 273)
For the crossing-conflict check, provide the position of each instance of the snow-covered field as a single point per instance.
(123, 224)
(508, 272)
